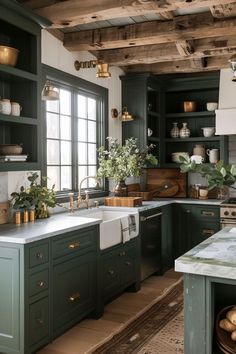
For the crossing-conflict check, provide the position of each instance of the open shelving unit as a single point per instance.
(21, 84)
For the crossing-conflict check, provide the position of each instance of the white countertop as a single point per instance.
(44, 228)
(64, 222)
(214, 257)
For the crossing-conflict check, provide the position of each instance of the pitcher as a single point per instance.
(213, 155)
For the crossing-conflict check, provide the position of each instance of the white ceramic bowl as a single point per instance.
(212, 106)
(208, 131)
(175, 156)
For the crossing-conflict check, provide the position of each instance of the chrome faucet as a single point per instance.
(86, 199)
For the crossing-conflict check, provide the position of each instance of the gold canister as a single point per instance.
(189, 106)
(26, 216)
(32, 215)
(17, 217)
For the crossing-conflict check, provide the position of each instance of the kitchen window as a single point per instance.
(75, 127)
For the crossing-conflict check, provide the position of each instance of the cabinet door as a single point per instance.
(182, 229)
(74, 290)
(11, 313)
(128, 266)
(203, 229)
(110, 274)
(166, 238)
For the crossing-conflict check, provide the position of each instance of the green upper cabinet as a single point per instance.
(141, 94)
(21, 84)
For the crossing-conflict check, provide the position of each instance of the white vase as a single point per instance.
(174, 133)
(184, 131)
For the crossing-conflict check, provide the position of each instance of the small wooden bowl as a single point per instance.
(224, 338)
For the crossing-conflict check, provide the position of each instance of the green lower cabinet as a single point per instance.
(74, 291)
(193, 224)
(39, 322)
(119, 269)
(166, 238)
(11, 304)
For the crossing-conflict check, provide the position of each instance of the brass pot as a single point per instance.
(8, 55)
(189, 106)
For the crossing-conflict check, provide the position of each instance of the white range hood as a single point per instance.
(226, 114)
(226, 121)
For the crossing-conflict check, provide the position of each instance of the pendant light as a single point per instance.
(50, 92)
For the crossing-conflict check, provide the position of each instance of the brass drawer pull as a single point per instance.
(39, 255)
(208, 232)
(74, 297)
(74, 245)
(40, 283)
(40, 321)
(111, 271)
(128, 263)
(208, 213)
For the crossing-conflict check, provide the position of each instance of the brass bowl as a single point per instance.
(8, 55)
(189, 106)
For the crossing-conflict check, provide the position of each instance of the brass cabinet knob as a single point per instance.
(74, 297)
(40, 321)
(40, 283)
(111, 271)
(39, 255)
(128, 263)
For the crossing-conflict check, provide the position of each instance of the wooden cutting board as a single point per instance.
(176, 180)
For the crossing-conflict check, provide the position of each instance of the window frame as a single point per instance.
(82, 86)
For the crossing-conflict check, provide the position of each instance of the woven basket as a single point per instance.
(223, 338)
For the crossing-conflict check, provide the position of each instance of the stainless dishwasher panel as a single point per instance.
(150, 231)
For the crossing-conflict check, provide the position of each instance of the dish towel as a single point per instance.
(132, 225)
(124, 225)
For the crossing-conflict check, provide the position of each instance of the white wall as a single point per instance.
(55, 55)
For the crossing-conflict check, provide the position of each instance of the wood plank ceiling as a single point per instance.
(160, 36)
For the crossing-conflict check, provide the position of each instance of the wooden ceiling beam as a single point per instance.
(182, 66)
(167, 52)
(223, 11)
(186, 28)
(185, 48)
(73, 12)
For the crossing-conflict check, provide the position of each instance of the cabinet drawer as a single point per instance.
(74, 242)
(38, 254)
(38, 282)
(207, 212)
(203, 230)
(38, 321)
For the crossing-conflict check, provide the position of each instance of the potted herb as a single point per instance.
(220, 176)
(35, 196)
(119, 162)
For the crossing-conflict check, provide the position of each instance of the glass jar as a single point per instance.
(184, 131)
(174, 133)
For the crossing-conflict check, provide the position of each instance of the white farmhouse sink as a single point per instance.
(111, 225)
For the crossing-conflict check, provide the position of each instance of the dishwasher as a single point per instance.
(150, 233)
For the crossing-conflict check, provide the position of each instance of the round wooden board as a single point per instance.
(223, 338)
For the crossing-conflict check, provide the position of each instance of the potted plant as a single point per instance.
(35, 196)
(220, 176)
(119, 162)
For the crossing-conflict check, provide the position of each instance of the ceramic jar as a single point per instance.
(174, 133)
(184, 131)
(213, 155)
(200, 151)
(5, 106)
(15, 108)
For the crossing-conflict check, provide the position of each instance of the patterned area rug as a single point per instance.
(159, 330)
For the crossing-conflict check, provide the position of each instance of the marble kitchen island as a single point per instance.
(209, 285)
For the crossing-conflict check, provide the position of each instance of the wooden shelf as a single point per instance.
(153, 139)
(193, 139)
(11, 73)
(19, 166)
(153, 114)
(191, 114)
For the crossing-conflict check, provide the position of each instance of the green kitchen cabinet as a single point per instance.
(193, 224)
(46, 287)
(141, 94)
(74, 278)
(166, 238)
(21, 29)
(119, 269)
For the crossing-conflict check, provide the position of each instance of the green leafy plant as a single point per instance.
(35, 196)
(217, 175)
(122, 161)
